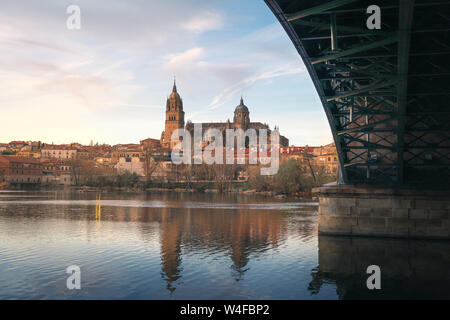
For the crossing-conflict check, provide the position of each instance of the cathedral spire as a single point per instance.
(174, 84)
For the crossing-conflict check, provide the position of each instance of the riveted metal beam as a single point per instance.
(323, 25)
(368, 126)
(406, 12)
(377, 85)
(318, 9)
(356, 49)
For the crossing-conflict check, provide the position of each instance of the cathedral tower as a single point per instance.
(241, 116)
(174, 117)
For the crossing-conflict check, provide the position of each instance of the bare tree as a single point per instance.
(187, 174)
(151, 164)
(307, 158)
(2, 177)
(76, 171)
(223, 175)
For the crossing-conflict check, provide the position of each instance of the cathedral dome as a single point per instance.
(241, 106)
(174, 95)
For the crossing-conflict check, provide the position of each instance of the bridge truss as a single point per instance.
(386, 92)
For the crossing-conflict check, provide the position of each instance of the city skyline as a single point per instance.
(109, 84)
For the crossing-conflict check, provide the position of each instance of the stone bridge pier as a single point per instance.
(383, 212)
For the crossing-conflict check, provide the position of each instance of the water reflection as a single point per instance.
(199, 246)
(409, 269)
(98, 208)
(201, 241)
(188, 231)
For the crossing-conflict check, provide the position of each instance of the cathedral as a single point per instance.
(175, 120)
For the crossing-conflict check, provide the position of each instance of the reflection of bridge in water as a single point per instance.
(385, 93)
(409, 269)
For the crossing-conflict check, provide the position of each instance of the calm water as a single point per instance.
(198, 246)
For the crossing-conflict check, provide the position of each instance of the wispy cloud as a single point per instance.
(13, 36)
(180, 60)
(227, 94)
(80, 86)
(204, 22)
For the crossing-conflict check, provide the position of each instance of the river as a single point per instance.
(199, 246)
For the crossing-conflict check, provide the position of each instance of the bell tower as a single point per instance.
(174, 117)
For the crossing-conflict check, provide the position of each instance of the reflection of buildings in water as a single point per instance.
(243, 233)
(170, 249)
(240, 256)
(170, 232)
(240, 234)
(251, 233)
(409, 269)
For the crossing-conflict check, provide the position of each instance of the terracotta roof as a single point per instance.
(19, 159)
(58, 147)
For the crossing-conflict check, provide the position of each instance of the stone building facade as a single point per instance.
(59, 152)
(20, 171)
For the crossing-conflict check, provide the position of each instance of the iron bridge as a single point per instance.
(385, 91)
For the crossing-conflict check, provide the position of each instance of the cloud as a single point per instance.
(14, 85)
(8, 32)
(227, 94)
(90, 92)
(180, 60)
(36, 66)
(228, 73)
(80, 85)
(12, 35)
(205, 22)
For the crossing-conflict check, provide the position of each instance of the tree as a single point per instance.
(2, 176)
(289, 179)
(127, 179)
(187, 174)
(307, 156)
(259, 182)
(151, 163)
(221, 177)
(76, 171)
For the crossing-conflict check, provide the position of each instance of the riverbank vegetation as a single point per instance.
(294, 178)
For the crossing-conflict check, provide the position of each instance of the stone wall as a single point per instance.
(345, 210)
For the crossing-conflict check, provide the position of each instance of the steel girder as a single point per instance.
(385, 92)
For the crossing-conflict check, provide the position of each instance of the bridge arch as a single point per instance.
(385, 92)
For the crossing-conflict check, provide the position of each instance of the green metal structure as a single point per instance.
(385, 91)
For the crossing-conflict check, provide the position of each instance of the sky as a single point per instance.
(108, 81)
